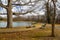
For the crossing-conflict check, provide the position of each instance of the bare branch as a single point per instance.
(3, 6)
(26, 3)
(32, 9)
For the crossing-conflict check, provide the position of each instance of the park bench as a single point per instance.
(43, 26)
(30, 26)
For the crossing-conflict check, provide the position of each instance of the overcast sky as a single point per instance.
(17, 8)
(39, 10)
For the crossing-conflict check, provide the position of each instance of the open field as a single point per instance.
(33, 34)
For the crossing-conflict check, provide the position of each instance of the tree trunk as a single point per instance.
(53, 18)
(9, 14)
(48, 12)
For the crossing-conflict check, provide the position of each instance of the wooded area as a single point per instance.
(50, 19)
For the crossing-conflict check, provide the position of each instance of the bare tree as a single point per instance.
(9, 13)
(53, 18)
(48, 12)
(53, 15)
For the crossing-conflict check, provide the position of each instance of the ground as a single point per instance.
(33, 34)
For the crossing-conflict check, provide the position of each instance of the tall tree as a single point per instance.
(53, 17)
(9, 13)
(48, 12)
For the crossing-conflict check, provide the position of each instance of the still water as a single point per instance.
(15, 24)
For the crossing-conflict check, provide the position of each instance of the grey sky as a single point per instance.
(39, 10)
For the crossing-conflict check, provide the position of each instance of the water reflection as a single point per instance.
(16, 24)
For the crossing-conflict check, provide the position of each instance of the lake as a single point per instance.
(16, 24)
